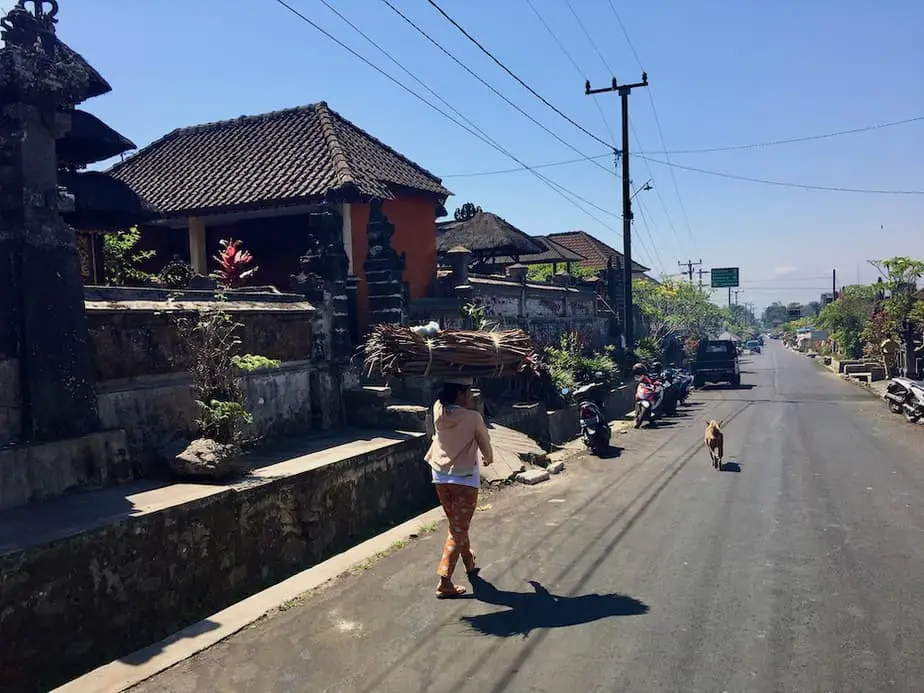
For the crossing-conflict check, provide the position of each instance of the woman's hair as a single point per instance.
(450, 392)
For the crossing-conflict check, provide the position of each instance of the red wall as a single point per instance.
(415, 234)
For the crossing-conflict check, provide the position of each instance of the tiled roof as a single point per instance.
(305, 153)
(596, 252)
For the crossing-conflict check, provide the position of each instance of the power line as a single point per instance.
(657, 119)
(515, 76)
(795, 140)
(606, 122)
(644, 216)
(729, 148)
(667, 214)
(561, 190)
(465, 67)
(602, 114)
(589, 38)
(804, 186)
(784, 184)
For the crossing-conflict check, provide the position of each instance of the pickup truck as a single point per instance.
(716, 362)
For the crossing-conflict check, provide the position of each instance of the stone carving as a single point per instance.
(44, 322)
(384, 269)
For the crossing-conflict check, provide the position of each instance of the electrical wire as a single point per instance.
(729, 148)
(794, 140)
(465, 67)
(597, 104)
(657, 119)
(559, 189)
(667, 214)
(720, 174)
(606, 122)
(784, 184)
(590, 39)
(643, 215)
(515, 76)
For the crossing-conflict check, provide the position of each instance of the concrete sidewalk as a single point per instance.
(419, 551)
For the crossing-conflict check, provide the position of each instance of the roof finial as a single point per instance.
(26, 29)
(39, 11)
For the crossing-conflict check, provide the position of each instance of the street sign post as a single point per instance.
(724, 277)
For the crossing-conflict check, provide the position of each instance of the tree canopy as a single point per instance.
(675, 307)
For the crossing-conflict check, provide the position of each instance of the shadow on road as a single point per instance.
(742, 386)
(730, 467)
(529, 611)
(612, 452)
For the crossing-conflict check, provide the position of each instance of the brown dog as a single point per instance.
(715, 443)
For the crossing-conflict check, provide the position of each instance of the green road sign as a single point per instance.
(723, 277)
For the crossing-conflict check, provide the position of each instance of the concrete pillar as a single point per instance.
(347, 233)
(197, 253)
(458, 258)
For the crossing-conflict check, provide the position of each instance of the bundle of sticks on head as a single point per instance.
(397, 350)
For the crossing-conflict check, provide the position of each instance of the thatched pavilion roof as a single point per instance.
(486, 235)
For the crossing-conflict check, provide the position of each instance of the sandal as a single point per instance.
(457, 591)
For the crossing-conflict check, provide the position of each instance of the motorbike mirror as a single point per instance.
(565, 390)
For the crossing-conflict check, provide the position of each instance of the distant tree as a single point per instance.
(466, 212)
(675, 307)
(775, 313)
(847, 317)
(902, 275)
(814, 308)
(539, 273)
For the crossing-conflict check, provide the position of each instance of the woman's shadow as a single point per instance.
(529, 611)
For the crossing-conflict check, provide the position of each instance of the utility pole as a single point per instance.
(834, 285)
(737, 291)
(624, 90)
(689, 264)
(701, 272)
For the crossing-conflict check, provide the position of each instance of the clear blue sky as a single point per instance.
(722, 73)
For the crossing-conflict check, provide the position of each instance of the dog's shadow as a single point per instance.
(730, 467)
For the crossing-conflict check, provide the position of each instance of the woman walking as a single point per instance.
(453, 458)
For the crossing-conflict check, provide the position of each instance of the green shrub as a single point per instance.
(570, 365)
(253, 362)
(221, 420)
(120, 259)
(648, 350)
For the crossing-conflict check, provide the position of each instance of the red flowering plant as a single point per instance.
(233, 265)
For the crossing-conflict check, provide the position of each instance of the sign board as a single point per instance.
(723, 277)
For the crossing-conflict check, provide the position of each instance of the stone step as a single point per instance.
(405, 417)
(367, 394)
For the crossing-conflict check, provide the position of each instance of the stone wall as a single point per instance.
(156, 410)
(9, 401)
(73, 604)
(552, 428)
(545, 311)
(133, 335)
(43, 471)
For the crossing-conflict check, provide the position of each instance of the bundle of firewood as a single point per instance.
(396, 350)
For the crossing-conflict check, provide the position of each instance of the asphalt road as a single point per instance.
(799, 568)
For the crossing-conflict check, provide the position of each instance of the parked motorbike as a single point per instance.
(595, 430)
(649, 396)
(679, 385)
(906, 396)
